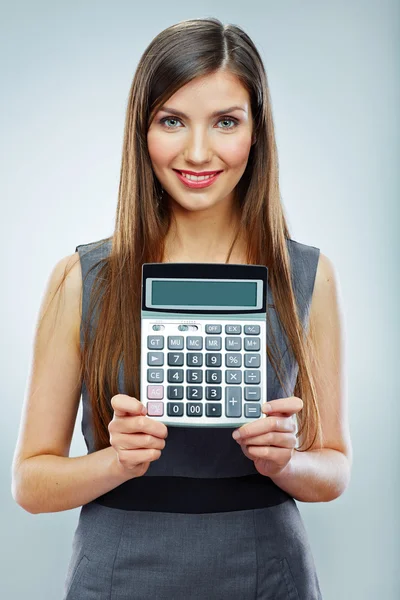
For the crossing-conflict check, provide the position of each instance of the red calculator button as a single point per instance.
(155, 409)
(155, 391)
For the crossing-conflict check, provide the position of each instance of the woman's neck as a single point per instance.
(212, 235)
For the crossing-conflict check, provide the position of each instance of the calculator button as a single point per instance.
(175, 392)
(233, 360)
(175, 342)
(175, 359)
(175, 375)
(155, 391)
(213, 410)
(233, 329)
(213, 393)
(155, 375)
(252, 393)
(213, 343)
(194, 409)
(252, 376)
(213, 376)
(194, 342)
(194, 392)
(252, 329)
(155, 409)
(213, 360)
(213, 328)
(232, 343)
(155, 342)
(252, 410)
(155, 359)
(252, 360)
(194, 376)
(233, 401)
(194, 359)
(174, 409)
(252, 344)
(233, 376)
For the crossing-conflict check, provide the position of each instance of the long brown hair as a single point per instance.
(176, 56)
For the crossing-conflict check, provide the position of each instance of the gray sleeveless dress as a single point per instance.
(202, 523)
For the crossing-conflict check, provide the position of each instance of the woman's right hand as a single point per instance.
(136, 438)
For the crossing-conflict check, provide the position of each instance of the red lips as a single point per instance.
(197, 174)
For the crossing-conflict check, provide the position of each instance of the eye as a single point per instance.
(171, 118)
(234, 121)
(162, 121)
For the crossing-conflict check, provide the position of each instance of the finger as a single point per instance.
(245, 451)
(138, 441)
(262, 426)
(275, 455)
(276, 414)
(273, 438)
(130, 459)
(142, 424)
(290, 405)
(127, 405)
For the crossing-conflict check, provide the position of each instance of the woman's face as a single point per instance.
(185, 135)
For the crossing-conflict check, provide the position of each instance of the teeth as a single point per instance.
(194, 178)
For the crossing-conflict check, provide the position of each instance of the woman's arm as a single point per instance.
(49, 483)
(44, 478)
(322, 474)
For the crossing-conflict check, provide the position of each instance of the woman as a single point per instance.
(174, 512)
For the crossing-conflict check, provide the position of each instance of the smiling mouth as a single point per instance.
(199, 177)
(202, 182)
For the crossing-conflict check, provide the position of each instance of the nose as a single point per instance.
(198, 147)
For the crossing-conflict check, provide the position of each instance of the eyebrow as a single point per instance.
(216, 113)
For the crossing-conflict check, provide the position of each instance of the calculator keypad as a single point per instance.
(215, 375)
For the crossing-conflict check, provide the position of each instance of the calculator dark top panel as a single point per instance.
(205, 271)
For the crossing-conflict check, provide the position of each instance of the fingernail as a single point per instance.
(236, 435)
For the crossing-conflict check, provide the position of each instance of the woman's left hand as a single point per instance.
(270, 441)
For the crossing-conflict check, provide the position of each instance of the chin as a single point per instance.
(196, 208)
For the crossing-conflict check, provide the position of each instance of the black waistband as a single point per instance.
(194, 495)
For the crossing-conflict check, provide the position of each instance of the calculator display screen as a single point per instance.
(204, 293)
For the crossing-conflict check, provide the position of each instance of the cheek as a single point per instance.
(160, 151)
(236, 152)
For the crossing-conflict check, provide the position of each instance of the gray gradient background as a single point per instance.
(333, 69)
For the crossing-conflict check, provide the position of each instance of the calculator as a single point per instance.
(203, 343)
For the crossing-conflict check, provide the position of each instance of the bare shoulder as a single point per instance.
(326, 293)
(65, 283)
(70, 266)
(325, 269)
